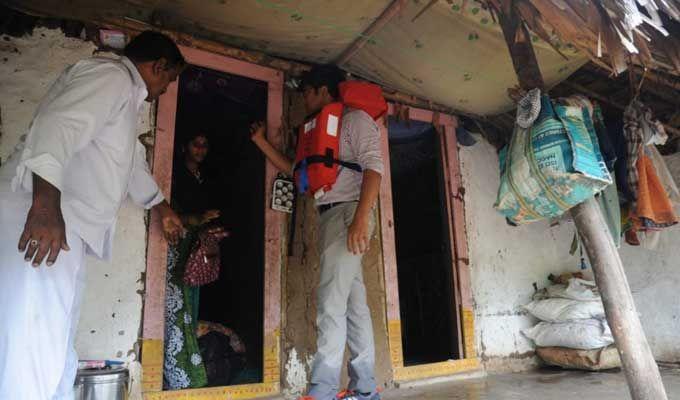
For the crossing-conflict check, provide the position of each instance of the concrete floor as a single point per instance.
(544, 384)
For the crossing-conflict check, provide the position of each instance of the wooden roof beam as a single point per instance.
(668, 80)
(390, 12)
(657, 77)
(606, 100)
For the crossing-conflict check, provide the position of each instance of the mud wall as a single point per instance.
(300, 278)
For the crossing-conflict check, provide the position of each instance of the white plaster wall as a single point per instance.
(654, 277)
(506, 261)
(111, 312)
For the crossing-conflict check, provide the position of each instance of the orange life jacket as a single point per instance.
(317, 160)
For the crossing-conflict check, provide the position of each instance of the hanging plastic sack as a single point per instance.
(552, 163)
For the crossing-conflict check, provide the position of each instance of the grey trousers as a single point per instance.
(343, 316)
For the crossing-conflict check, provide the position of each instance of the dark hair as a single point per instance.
(193, 135)
(152, 46)
(324, 75)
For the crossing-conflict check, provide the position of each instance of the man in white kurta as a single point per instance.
(60, 193)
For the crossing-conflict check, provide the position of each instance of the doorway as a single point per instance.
(220, 96)
(221, 106)
(423, 248)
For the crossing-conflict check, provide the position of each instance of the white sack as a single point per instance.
(585, 335)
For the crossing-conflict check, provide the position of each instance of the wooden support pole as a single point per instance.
(642, 372)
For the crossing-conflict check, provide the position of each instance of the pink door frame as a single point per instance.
(154, 297)
(446, 128)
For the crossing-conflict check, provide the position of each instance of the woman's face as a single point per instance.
(197, 149)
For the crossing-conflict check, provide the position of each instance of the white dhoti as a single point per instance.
(39, 310)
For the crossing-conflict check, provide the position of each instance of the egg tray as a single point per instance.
(283, 195)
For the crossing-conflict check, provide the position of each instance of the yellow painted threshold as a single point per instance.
(152, 376)
(418, 372)
(404, 374)
(218, 393)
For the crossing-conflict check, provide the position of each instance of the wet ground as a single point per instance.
(538, 385)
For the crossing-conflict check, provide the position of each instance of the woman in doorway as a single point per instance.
(194, 201)
(192, 195)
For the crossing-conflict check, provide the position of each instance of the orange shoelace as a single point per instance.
(344, 394)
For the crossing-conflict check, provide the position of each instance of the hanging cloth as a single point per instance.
(604, 137)
(654, 209)
(608, 200)
(639, 129)
(664, 174)
(633, 132)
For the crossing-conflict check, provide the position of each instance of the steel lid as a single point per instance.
(105, 375)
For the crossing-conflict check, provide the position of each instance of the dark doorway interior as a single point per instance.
(223, 106)
(424, 265)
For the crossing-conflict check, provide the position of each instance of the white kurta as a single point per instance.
(83, 141)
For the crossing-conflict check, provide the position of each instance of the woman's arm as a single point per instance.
(190, 219)
(199, 219)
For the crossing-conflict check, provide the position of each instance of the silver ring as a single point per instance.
(34, 243)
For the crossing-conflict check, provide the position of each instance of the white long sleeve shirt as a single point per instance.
(83, 140)
(359, 144)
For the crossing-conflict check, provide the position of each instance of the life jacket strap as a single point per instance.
(328, 160)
